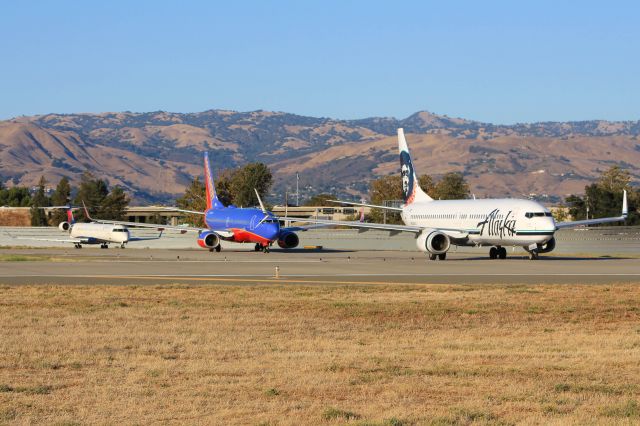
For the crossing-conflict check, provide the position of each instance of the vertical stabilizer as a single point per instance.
(70, 218)
(212, 198)
(411, 190)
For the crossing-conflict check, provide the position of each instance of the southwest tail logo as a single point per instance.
(212, 198)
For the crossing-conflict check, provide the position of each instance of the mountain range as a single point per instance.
(154, 155)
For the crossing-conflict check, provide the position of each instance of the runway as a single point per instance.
(353, 267)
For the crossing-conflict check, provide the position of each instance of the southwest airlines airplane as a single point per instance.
(229, 223)
(91, 233)
(498, 223)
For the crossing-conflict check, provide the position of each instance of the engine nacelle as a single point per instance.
(288, 240)
(548, 246)
(434, 242)
(64, 226)
(208, 240)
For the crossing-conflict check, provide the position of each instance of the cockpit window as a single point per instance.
(537, 214)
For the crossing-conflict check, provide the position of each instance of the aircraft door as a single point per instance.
(252, 225)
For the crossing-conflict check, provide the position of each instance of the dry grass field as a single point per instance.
(287, 354)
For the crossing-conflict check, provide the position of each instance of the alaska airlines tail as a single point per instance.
(411, 190)
(212, 198)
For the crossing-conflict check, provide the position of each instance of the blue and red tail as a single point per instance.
(212, 198)
(70, 218)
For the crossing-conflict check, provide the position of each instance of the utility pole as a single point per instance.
(297, 190)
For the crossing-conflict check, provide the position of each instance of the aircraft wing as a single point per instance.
(357, 224)
(146, 238)
(395, 209)
(60, 240)
(623, 216)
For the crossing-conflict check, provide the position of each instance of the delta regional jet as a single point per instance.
(240, 225)
(498, 223)
(91, 233)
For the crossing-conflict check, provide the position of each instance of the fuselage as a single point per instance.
(98, 233)
(246, 225)
(500, 222)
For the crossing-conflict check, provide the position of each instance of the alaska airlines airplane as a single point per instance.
(498, 223)
(91, 233)
(230, 223)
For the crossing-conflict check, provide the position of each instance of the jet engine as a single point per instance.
(434, 242)
(64, 226)
(208, 240)
(288, 240)
(548, 246)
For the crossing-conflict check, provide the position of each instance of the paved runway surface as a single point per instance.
(162, 266)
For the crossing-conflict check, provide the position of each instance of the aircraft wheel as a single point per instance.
(266, 249)
(533, 255)
(433, 256)
(502, 252)
(493, 253)
(442, 256)
(258, 247)
(218, 248)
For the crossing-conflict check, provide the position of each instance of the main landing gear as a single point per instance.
(78, 245)
(216, 248)
(104, 246)
(441, 256)
(498, 252)
(260, 247)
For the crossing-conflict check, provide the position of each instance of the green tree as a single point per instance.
(194, 199)
(18, 196)
(60, 197)
(604, 198)
(452, 186)
(427, 185)
(39, 200)
(92, 192)
(384, 189)
(245, 179)
(114, 205)
(320, 200)
(223, 186)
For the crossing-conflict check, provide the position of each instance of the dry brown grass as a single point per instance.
(288, 354)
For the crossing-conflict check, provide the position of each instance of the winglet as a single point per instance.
(212, 197)
(625, 209)
(86, 211)
(260, 201)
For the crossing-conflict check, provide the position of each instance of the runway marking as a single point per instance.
(286, 279)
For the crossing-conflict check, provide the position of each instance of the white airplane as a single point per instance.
(91, 233)
(440, 224)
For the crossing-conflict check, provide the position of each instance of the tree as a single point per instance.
(614, 180)
(92, 192)
(320, 200)
(223, 186)
(194, 199)
(60, 197)
(114, 205)
(18, 196)
(452, 186)
(384, 189)
(39, 200)
(244, 180)
(604, 198)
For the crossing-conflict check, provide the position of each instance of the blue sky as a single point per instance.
(501, 62)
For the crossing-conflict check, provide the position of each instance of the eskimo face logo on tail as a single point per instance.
(408, 182)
